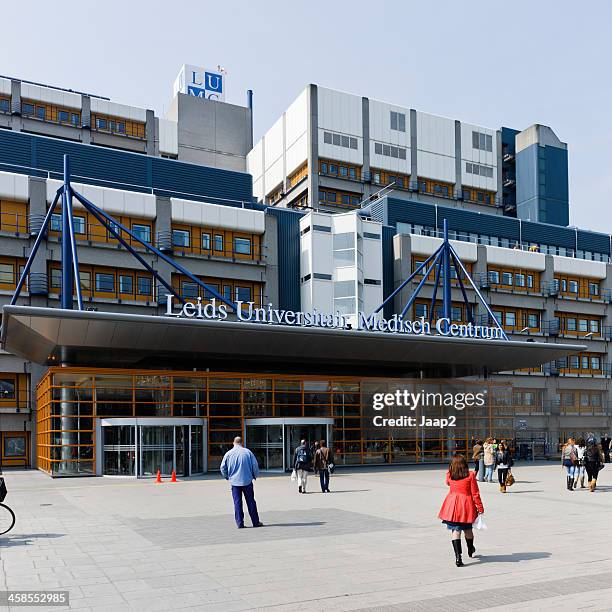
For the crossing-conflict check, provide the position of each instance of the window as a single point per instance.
(398, 121)
(530, 281)
(510, 319)
(573, 286)
(85, 278)
(478, 169)
(180, 238)
(494, 277)
(142, 231)
(571, 324)
(583, 325)
(389, 151)
(242, 246)
(333, 168)
(7, 274)
(144, 285)
(101, 123)
(340, 140)
(5, 105)
(456, 313)
(189, 289)
(63, 116)
(219, 242)
(595, 363)
(519, 280)
(227, 292)
(483, 142)
(79, 225)
(105, 282)
(594, 326)
(593, 288)
(14, 446)
(74, 119)
(40, 113)
(343, 171)
(533, 320)
(27, 108)
(323, 167)
(126, 284)
(56, 278)
(243, 294)
(206, 241)
(507, 278)
(420, 310)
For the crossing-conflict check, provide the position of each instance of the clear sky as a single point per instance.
(487, 62)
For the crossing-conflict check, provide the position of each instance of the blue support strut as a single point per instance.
(446, 280)
(66, 296)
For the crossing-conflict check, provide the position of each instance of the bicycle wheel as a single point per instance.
(7, 519)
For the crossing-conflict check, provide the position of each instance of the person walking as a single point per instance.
(477, 454)
(240, 467)
(461, 506)
(593, 462)
(489, 459)
(504, 461)
(569, 459)
(605, 447)
(580, 468)
(302, 464)
(323, 463)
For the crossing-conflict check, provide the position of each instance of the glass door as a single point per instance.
(266, 443)
(196, 450)
(119, 450)
(156, 450)
(294, 434)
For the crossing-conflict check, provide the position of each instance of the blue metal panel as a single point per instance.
(408, 211)
(554, 197)
(545, 233)
(42, 156)
(462, 220)
(288, 232)
(593, 241)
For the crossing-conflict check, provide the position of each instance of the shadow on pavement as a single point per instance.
(313, 524)
(530, 491)
(26, 539)
(512, 557)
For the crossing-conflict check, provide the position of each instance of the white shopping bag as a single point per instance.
(479, 523)
(293, 475)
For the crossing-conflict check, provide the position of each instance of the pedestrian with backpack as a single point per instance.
(302, 464)
(594, 462)
(569, 461)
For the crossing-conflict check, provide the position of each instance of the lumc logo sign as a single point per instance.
(250, 312)
(200, 82)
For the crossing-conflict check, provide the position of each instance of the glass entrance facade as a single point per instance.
(72, 401)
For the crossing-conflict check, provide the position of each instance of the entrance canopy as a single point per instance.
(52, 336)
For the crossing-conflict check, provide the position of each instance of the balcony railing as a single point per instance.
(557, 407)
(488, 280)
(559, 367)
(165, 243)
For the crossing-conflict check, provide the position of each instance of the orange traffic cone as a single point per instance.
(158, 479)
(173, 479)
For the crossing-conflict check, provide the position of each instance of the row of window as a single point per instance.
(389, 150)
(585, 363)
(50, 112)
(231, 290)
(521, 280)
(436, 188)
(298, 176)
(88, 227)
(211, 242)
(487, 239)
(478, 196)
(572, 324)
(524, 320)
(339, 198)
(5, 105)
(13, 216)
(340, 170)
(384, 177)
(478, 169)
(117, 126)
(574, 286)
(340, 140)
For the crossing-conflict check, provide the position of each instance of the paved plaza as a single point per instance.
(373, 544)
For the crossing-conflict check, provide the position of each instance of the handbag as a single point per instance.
(294, 475)
(479, 523)
(3, 490)
(509, 479)
(331, 467)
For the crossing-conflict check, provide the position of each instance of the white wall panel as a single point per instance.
(514, 258)
(274, 174)
(472, 155)
(106, 107)
(380, 124)
(352, 156)
(296, 119)
(50, 96)
(216, 215)
(435, 134)
(296, 154)
(579, 267)
(426, 245)
(5, 86)
(255, 160)
(340, 111)
(323, 295)
(112, 201)
(393, 164)
(258, 192)
(274, 146)
(434, 166)
(168, 136)
(14, 186)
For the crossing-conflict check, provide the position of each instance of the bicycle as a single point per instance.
(7, 519)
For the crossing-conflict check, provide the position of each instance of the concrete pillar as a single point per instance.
(16, 105)
(150, 132)
(37, 194)
(458, 181)
(479, 270)
(163, 241)
(86, 119)
(313, 146)
(500, 158)
(365, 128)
(402, 269)
(414, 172)
(270, 252)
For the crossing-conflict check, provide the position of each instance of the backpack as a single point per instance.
(302, 455)
(573, 455)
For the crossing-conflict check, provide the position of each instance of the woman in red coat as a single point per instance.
(461, 506)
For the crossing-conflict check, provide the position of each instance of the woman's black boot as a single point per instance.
(470, 546)
(457, 549)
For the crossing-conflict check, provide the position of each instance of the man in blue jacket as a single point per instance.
(240, 467)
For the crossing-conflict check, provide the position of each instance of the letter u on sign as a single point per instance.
(213, 82)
